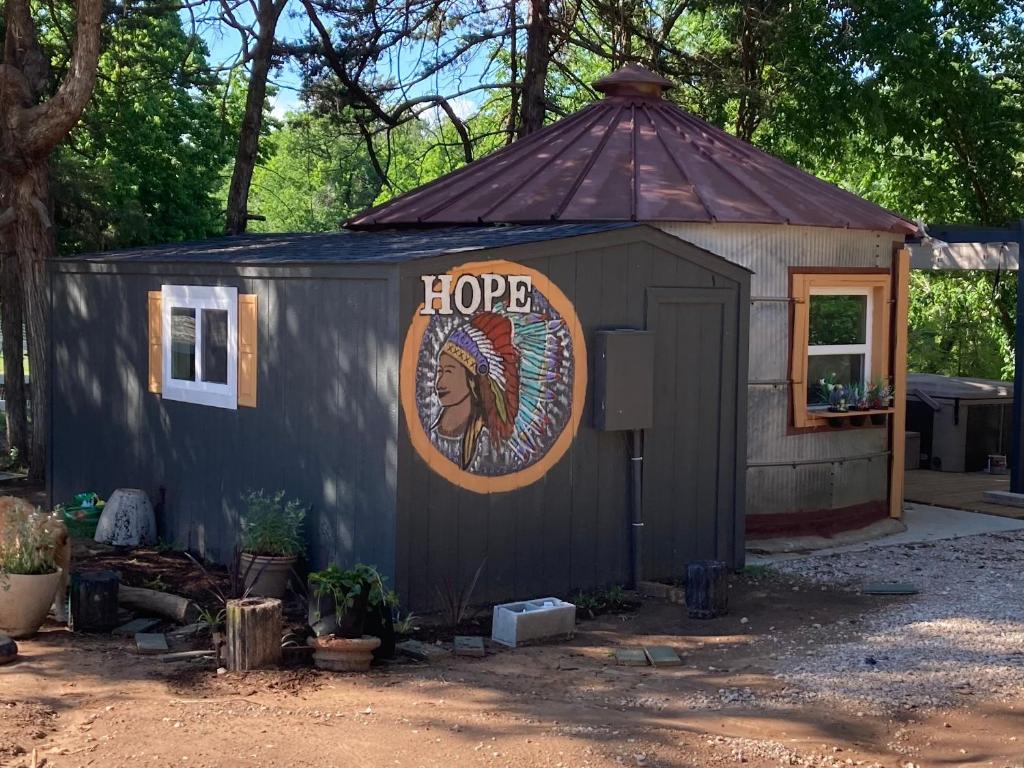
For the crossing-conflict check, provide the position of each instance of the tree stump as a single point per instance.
(253, 633)
(94, 601)
(707, 589)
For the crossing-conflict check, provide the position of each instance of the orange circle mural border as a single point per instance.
(436, 460)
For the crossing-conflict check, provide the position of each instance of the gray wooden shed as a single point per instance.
(349, 409)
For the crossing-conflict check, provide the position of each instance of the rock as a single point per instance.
(8, 649)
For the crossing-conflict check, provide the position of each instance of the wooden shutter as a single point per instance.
(156, 352)
(248, 330)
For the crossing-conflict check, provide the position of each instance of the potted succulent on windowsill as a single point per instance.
(835, 396)
(880, 395)
(272, 542)
(29, 574)
(342, 606)
(858, 399)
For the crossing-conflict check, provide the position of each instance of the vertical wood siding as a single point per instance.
(570, 529)
(324, 428)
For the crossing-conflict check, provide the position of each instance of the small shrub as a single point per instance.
(27, 547)
(347, 587)
(271, 526)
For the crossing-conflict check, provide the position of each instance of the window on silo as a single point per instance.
(840, 336)
(838, 340)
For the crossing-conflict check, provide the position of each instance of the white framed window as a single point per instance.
(200, 344)
(839, 329)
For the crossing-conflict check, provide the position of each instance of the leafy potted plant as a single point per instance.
(880, 396)
(342, 604)
(272, 541)
(29, 574)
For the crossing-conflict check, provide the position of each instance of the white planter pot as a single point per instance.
(25, 601)
(267, 576)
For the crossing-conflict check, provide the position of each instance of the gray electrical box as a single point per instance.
(623, 379)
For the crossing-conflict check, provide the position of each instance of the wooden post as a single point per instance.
(94, 601)
(253, 633)
(898, 420)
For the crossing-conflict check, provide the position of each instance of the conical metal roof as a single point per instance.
(632, 156)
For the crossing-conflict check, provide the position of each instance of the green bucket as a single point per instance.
(82, 515)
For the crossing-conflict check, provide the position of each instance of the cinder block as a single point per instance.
(546, 617)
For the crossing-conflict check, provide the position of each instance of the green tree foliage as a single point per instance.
(961, 324)
(316, 175)
(145, 163)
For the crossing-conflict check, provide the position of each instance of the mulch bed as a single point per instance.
(165, 571)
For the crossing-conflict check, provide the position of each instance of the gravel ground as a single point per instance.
(961, 640)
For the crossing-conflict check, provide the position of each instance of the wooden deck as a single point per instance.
(958, 491)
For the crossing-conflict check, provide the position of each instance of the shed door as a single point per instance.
(689, 454)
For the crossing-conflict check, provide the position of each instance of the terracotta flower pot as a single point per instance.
(266, 576)
(344, 654)
(25, 601)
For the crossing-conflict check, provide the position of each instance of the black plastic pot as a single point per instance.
(856, 419)
(325, 618)
(379, 623)
(878, 419)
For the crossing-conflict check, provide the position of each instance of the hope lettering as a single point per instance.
(473, 292)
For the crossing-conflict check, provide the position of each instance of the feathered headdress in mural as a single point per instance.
(542, 364)
(484, 346)
(514, 361)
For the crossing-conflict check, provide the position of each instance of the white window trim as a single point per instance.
(200, 297)
(846, 349)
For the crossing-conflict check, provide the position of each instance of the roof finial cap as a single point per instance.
(633, 80)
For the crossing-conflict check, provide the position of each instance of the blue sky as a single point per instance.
(224, 45)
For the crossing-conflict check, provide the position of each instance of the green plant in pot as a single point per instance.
(880, 395)
(272, 541)
(29, 574)
(343, 604)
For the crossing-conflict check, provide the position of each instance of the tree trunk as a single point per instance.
(35, 244)
(252, 122)
(12, 330)
(30, 128)
(538, 57)
(253, 630)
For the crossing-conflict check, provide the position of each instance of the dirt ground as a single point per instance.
(73, 700)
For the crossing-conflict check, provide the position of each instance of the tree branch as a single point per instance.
(46, 125)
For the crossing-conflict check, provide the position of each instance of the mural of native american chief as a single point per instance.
(494, 389)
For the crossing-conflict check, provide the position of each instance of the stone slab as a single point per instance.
(889, 588)
(469, 646)
(1006, 498)
(630, 657)
(135, 626)
(151, 642)
(414, 649)
(189, 630)
(662, 656)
